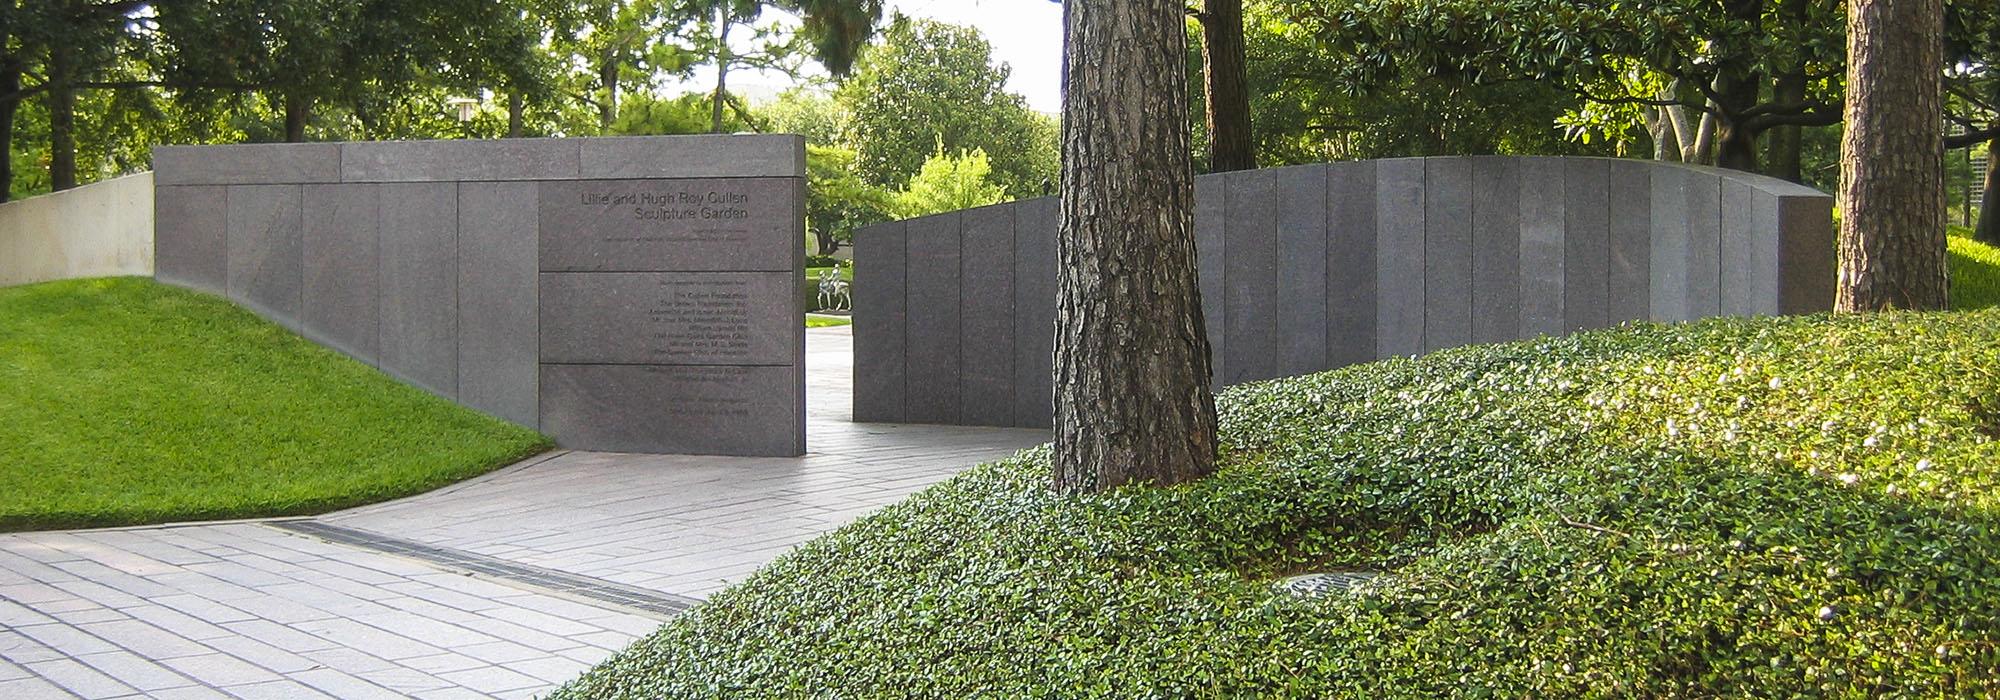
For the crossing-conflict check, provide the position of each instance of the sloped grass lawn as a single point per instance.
(1733, 508)
(124, 401)
(1975, 271)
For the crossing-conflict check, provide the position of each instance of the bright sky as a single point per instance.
(1026, 35)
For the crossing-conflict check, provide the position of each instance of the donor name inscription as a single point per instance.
(673, 205)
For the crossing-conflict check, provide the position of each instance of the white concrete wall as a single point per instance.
(97, 230)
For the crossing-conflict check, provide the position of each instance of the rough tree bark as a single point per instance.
(1132, 401)
(1988, 229)
(1892, 240)
(1225, 82)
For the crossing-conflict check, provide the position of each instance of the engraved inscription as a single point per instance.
(658, 225)
(710, 318)
(695, 318)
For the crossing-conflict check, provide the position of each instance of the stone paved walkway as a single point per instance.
(250, 610)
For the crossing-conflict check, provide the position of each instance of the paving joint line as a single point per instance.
(652, 603)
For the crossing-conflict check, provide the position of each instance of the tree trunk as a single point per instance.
(10, 81)
(1892, 241)
(1788, 142)
(825, 242)
(62, 122)
(297, 111)
(1735, 146)
(607, 76)
(1660, 124)
(516, 109)
(722, 61)
(1988, 230)
(1225, 81)
(1132, 399)
(1702, 150)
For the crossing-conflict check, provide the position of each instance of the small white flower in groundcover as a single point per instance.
(1827, 613)
(1924, 465)
(1776, 382)
(1826, 427)
(1871, 441)
(1849, 478)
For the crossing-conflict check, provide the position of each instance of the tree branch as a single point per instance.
(1766, 121)
(1971, 138)
(1635, 100)
(1778, 108)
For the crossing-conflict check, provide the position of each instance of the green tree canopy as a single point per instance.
(930, 87)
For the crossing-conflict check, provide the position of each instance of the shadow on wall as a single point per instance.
(1314, 267)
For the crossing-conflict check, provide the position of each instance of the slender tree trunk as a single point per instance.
(1788, 142)
(1735, 146)
(62, 122)
(1892, 241)
(1132, 399)
(1702, 150)
(607, 76)
(1225, 81)
(1988, 229)
(1660, 124)
(298, 110)
(10, 81)
(722, 61)
(516, 109)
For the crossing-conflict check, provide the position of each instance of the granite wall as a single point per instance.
(1314, 267)
(626, 294)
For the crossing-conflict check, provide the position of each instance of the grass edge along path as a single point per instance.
(132, 402)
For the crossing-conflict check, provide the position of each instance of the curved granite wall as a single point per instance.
(633, 294)
(1314, 267)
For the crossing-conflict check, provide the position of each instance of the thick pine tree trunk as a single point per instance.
(1892, 240)
(1131, 362)
(1225, 80)
(1988, 229)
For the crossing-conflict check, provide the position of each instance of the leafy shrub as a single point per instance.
(1734, 508)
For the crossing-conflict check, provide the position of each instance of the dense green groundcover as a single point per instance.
(123, 401)
(1732, 508)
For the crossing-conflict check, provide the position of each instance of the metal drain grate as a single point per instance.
(595, 589)
(1319, 584)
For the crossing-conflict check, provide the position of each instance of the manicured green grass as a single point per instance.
(1975, 272)
(1734, 508)
(827, 321)
(126, 402)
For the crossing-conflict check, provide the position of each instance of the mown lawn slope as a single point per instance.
(124, 401)
(1733, 508)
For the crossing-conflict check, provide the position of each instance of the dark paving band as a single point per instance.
(649, 601)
